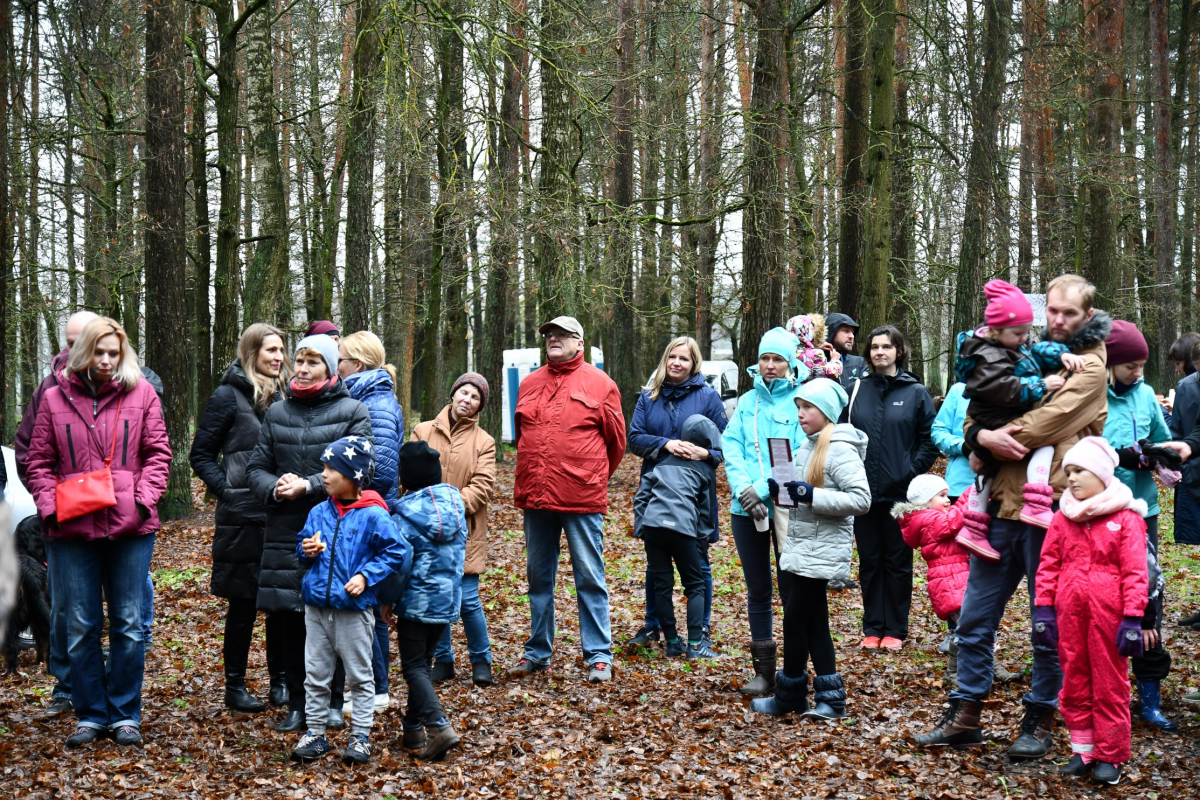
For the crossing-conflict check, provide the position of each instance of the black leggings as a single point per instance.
(662, 547)
(754, 549)
(806, 626)
(239, 634)
(416, 642)
(292, 634)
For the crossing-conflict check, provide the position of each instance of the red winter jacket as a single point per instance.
(570, 437)
(949, 564)
(73, 434)
(1095, 568)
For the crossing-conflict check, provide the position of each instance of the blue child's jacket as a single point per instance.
(433, 522)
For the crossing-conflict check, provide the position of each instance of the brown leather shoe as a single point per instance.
(958, 728)
(437, 742)
(414, 738)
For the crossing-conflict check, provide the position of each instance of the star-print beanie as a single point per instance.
(352, 456)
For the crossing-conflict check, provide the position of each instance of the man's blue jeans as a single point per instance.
(585, 542)
(989, 588)
(479, 646)
(105, 695)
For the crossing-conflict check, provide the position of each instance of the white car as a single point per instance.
(17, 496)
(723, 376)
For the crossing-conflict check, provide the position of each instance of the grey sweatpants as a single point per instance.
(332, 633)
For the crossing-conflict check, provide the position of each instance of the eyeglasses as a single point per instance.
(344, 360)
(560, 335)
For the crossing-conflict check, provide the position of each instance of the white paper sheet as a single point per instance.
(781, 469)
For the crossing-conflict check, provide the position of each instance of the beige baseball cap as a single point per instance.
(568, 324)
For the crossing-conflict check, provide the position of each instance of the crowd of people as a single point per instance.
(339, 530)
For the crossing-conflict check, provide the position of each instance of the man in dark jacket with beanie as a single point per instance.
(842, 332)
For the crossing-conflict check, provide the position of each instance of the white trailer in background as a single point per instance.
(518, 364)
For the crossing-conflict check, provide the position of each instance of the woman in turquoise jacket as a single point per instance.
(768, 411)
(947, 435)
(1134, 424)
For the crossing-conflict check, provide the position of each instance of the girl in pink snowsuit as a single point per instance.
(1091, 586)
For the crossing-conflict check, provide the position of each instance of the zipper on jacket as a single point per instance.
(71, 447)
(332, 554)
(125, 447)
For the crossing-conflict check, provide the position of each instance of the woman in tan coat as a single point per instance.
(468, 455)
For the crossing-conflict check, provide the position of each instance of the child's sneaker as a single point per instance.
(1037, 510)
(701, 649)
(358, 751)
(310, 748)
(676, 648)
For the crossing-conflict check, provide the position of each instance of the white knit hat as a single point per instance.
(925, 487)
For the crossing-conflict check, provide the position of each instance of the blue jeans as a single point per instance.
(705, 569)
(105, 695)
(585, 542)
(989, 588)
(474, 625)
(60, 666)
(148, 611)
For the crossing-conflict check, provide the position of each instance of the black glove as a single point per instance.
(1158, 455)
(1132, 458)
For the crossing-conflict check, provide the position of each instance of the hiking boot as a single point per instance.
(1191, 697)
(358, 750)
(1038, 499)
(127, 735)
(791, 694)
(1075, 768)
(869, 643)
(414, 738)
(762, 654)
(958, 727)
(829, 697)
(437, 741)
(83, 735)
(646, 635)
(952, 667)
(59, 704)
(526, 667)
(1106, 773)
(442, 671)
(701, 649)
(1149, 707)
(294, 721)
(310, 748)
(944, 647)
(336, 719)
(238, 697)
(600, 672)
(1001, 673)
(1037, 732)
(481, 674)
(676, 648)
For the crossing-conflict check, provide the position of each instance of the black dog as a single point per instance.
(32, 609)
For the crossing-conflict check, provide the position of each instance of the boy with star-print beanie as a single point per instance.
(349, 545)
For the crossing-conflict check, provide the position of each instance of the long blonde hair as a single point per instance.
(366, 347)
(128, 372)
(654, 387)
(265, 388)
(820, 452)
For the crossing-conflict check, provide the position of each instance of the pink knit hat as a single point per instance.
(1007, 306)
(1094, 454)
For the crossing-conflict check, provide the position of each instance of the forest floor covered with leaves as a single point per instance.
(661, 728)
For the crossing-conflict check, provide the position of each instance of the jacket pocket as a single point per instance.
(71, 447)
(588, 471)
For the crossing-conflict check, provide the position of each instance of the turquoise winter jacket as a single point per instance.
(777, 419)
(1132, 417)
(947, 434)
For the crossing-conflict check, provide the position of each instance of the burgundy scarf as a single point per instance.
(312, 389)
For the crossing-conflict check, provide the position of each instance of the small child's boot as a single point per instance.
(974, 534)
(1039, 495)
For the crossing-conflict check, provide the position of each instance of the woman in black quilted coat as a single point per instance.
(225, 436)
(285, 475)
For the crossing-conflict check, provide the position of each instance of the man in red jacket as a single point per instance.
(570, 436)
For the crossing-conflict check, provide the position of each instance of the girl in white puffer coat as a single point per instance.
(831, 490)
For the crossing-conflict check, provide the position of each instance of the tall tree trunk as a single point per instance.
(267, 274)
(855, 136)
(206, 379)
(1165, 315)
(360, 157)
(552, 261)
(7, 419)
(763, 263)
(981, 163)
(712, 95)
(1104, 29)
(876, 288)
(166, 243)
(31, 299)
(908, 297)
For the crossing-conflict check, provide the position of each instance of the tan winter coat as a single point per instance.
(1061, 419)
(468, 456)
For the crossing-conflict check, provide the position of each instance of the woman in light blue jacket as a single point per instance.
(947, 434)
(767, 411)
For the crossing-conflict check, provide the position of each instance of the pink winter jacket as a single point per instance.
(949, 564)
(72, 435)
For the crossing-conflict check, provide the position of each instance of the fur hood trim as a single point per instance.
(901, 509)
(1093, 333)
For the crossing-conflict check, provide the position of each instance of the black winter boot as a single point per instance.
(236, 695)
(1037, 732)
(763, 655)
(829, 697)
(294, 721)
(791, 694)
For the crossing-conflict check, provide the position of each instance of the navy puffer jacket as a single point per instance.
(375, 389)
(656, 422)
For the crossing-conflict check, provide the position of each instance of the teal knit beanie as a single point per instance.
(826, 395)
(781, 342)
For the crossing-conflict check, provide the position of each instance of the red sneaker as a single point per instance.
(890, 643)
(870, 643)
